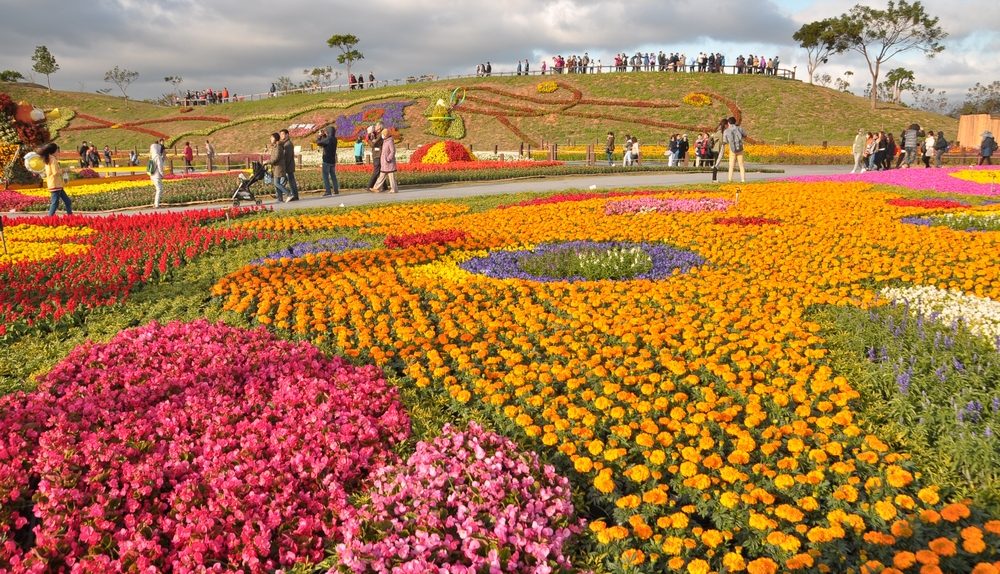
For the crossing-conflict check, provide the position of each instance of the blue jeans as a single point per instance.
(56, 195)
(279, 187)
(330, 172)
(611, 157)
(292, 185)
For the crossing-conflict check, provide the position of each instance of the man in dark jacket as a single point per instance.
(289, 157)
(328, 141)
(277, 163)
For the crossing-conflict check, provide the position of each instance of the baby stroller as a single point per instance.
(243, 190)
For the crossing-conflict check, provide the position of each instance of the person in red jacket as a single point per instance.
(188, 158)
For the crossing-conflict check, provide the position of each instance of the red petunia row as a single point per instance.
(438, 237)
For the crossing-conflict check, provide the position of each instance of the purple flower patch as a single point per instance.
(389, 113)
(666, 260)
(329, 245)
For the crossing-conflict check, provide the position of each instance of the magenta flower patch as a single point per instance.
(673, 205)
(467, 502)
(189, 447)
(934, 179)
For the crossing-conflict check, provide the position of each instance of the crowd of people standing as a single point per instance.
(877, 151)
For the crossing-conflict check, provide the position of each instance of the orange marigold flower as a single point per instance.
(973, 545)
(904, 559)
(926, 557)
(955, 512)
(762, 566)
(902, 529)
(929, 495)
(993, 527)
(633, 557)
(734, 562)
(985, 568)
(942, 546)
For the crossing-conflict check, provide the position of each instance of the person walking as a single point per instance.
(209, 154)
(277, 163)
(928, 148)
(155, 170)
(54, 178)
(387, 164)
(375, 141)
(734, 136)
(910, 136)
(107, 156)
(609, 149)
(987, 148)
(188, 157)
(941, 145)
(858, 149)
(289, 156)
(328, 141)
(84, 147)
(718, 146)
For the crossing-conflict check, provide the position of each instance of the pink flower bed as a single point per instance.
(932, 179)
(189, 447)
(467, 502)
(651, 204)
(14, 201)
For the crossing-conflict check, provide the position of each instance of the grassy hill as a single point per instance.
(503, 112)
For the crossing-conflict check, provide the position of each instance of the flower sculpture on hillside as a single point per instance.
(441, 115)
(441, 152)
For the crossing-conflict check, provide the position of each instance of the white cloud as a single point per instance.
(246, 45)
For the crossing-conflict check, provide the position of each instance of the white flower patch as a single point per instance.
(980, 314)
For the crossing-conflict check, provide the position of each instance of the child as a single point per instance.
(359, 150)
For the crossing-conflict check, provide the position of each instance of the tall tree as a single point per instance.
(819, 41)
(44, 63)
(878, 35)
(897, 81)
(348, 53)
(121, 77)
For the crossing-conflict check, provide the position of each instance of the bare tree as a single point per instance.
(121, 77)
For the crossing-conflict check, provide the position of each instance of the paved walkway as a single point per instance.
(314, 200)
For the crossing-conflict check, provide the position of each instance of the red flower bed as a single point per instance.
(126, 251)
(746, 221)
(438, 237)
(189, 448)
(926, 203)
(565, 197)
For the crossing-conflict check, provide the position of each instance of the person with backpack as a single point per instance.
(734, 136)
(987, 148)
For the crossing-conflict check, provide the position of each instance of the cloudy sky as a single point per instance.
(245, 45)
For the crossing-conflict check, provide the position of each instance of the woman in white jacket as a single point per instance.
(155, 170)
(858, 150)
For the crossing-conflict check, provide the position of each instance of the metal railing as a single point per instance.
(781, 73)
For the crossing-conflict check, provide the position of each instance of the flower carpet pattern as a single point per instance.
(699, 412)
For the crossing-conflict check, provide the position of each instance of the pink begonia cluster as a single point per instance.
(467, 502)
(933, 179)
(189, 447)
(680, 205)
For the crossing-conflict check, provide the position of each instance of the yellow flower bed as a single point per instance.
(91, 188)
(701, 408)
(978, 175)
(37, 242)
(697, 99)
(790, 150)
(547, 87)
